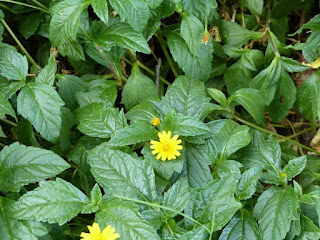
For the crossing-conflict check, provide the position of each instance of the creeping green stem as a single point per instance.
(155, 205)
(274, 134)
(167, 55)
(9, 9)
(149, 71)
(26, 5)
(8, 122)
(19, 44)
(40, 4)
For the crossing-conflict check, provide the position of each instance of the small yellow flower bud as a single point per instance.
(283, 175)
(155, 121)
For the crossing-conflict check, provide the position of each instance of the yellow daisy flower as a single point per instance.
(96, 234)
(168, 147)
(155, 121)
(314, 65)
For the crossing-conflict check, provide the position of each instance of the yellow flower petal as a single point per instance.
(95, 233)
(87, 236)
(166, 147)
(95, 229)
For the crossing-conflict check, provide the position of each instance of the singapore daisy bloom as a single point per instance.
(96, 234)
(167, 147)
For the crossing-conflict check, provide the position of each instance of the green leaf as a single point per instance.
(114, 56)
(163, 169)
(100, 7)
(255, 6)
(40, 104)
(308, 229)
(184, 125)
(310, 48)
(229, 168)
(95, 201)
(21, 165)
(134, 12)
(25, 133)
(145, 111)
(216, 201)
(68, 121)
(197, 66)
(8, 88)
(13, 65)
(229, 138)
(138, 88)
(235, 35)
(135, 133)
(261, 153)
(295, 228)
(313, 24)
(284, 98)
(252, 59)
(48, 73)
(65, 20)
(252, 101)
(241, 226)
(200, 9)
(293, 66)
(188, 97)
(79, 155)
(100, 120)
(2, 133)
(266, 81)
(99, 91)
(191, 31)
(153, 218)
(308, 98)
(11, 228)
(295, 167)
(153, 3)
(123, 35)
(218, 96)
(29, 24)
(240, 74)
(196, 234)
(176, 197)
(276, 207)
(53, 202)
(248, 183)
(122, 174)
(72, 49)
(125, 218)
(6, 108)
(69, 85)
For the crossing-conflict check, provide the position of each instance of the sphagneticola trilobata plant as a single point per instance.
(159, 120)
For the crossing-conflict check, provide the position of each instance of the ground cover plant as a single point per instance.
(159, 119)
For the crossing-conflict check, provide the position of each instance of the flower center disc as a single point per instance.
(166, 147)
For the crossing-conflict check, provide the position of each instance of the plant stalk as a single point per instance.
(19, 44)
(275, 134)
(149, 71)
(40, 5)
(167, 55)
(26, 5)
(163, 207)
